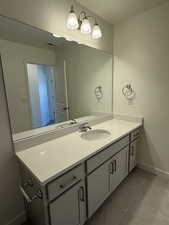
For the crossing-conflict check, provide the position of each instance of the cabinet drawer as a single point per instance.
(135, 134)
(107, 153)
(65, 181)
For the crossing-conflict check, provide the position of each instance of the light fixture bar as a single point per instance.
(83, 24)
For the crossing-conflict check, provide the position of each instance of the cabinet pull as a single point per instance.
(132, 150)
(111, 169)
(115, 165)
(82, 194)
(62, 186)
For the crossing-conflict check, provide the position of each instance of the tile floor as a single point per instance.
(142, 199)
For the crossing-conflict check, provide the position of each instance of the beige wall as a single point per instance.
(86, 69)
(51, 16)
(14, 56)
(11, 203)
(141, 57)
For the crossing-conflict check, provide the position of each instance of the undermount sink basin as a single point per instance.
(96, 134)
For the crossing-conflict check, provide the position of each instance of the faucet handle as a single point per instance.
(83, 124)
(73, 121)
(84, 127)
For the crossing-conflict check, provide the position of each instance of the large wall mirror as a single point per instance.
(49, 80)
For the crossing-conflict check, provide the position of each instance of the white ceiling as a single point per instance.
(116, 10)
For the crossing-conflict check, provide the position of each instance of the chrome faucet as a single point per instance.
(84, 127)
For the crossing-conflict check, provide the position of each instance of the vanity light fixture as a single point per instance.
(83, 24)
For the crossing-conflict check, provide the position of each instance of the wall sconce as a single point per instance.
(83, 24)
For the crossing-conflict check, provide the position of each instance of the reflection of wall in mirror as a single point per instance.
(88, 68)
(14, 57)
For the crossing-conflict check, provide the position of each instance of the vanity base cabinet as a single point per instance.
(73, 197)
(98, 187)
(119, 168)
(70, 207)
(103, 181)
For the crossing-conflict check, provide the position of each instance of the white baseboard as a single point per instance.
(18, 220)
(153, 170)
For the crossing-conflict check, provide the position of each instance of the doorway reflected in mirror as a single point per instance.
(45, 107)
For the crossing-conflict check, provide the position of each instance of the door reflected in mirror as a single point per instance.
(46, 109)
(49, 80)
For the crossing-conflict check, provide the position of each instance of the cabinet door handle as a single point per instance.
(115, 165)
(111, 168)
(82, 194)
(132, 150)
(62, 186)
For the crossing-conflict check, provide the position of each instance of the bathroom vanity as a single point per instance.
(64, 181)
(57, 85)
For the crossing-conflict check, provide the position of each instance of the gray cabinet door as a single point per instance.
(98, 187)
(132, 155)
(69, 208)
(119, 168)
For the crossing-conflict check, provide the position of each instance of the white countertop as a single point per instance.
(51, 159)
